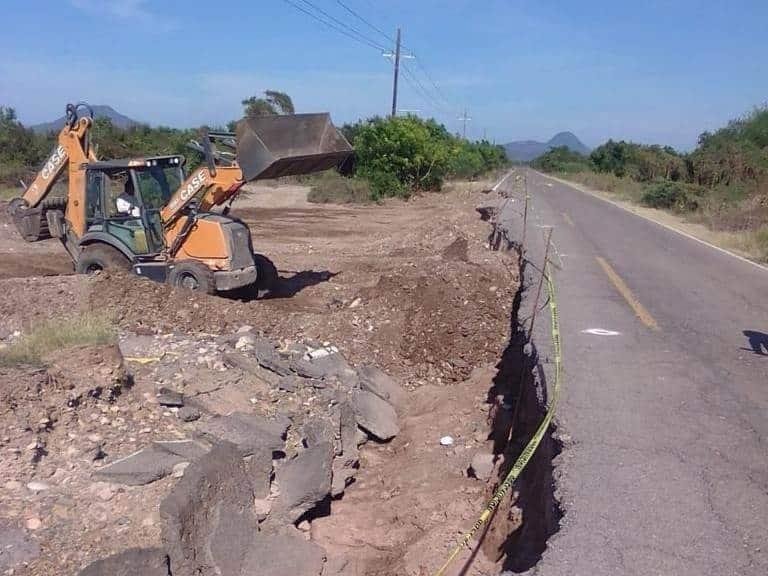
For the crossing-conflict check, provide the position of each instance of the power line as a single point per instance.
(364, 21)
(358, 37)
(344, 25)
(437, 88)
(416, 84)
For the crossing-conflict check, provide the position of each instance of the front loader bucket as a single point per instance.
(275, 146)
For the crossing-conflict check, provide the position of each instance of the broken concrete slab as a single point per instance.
(131, 562)
(304, 482)
(382, 384)
(250, 432)
(208, 521)
(286, 554)
(375, 415)
(16, 546)
(142, 467)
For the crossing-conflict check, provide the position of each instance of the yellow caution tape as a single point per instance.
(533, 443)
(142, 359)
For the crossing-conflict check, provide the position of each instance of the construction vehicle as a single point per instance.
(170, 233)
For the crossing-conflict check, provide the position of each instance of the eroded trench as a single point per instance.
(530, 514)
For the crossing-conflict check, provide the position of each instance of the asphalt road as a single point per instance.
(667, 471)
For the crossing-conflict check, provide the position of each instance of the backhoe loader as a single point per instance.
(170, 234)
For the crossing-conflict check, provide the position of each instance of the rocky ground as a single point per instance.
(297, 434)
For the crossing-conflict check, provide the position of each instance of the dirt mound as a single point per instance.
(408, 287)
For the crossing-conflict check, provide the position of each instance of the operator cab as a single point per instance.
(124, 199)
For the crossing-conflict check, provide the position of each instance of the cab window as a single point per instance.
(157, 184)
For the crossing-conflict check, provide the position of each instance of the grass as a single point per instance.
(332, 187)
(619, 188)
(720, 227)
(753, 243)
(49, 336)
(8, 192)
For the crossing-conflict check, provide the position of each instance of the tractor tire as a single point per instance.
(97, 257)
(266, 273)
(194, 276)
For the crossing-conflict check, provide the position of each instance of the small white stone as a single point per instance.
(446, 441)
(36, 486)
(33, 523)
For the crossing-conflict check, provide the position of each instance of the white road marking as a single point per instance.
(601, 332)
(500, 182)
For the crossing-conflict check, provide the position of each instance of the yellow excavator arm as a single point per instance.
(71, 151)
(263, 147)
(71, 146)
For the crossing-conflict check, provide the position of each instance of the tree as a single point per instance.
(273, 103)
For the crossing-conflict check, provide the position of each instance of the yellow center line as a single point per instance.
(568, 220)
(640, 311)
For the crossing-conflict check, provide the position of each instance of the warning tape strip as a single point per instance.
(533, 443)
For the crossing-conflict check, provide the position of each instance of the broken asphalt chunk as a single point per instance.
(250, 432)
(283, 555)
(304, 481)
(208, 520)
(375, 415)
(142, 467)
(131, 562)
(382, 384)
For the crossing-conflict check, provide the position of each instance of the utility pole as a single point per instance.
(397, 73)
(465, 118)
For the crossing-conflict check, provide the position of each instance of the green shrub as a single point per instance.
(562, 159)
(400, 155)
(332, 187)
(675, 196)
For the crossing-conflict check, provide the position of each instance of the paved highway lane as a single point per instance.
(666, 399)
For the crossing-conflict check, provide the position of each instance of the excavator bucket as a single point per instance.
(274, 146)
(34, 224)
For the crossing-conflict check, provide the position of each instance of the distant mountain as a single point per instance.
(118, 120)
(527, 150)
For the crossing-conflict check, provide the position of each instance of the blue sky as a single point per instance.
(651, 71)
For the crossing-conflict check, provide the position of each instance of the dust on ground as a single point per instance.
(410, 287)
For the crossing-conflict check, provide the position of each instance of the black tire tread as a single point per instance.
(106, 256)
(203, 274)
